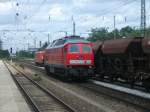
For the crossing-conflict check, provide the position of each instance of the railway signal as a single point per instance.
(11, 50)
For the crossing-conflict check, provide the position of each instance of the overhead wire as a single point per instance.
(110, 10)
(36, 11)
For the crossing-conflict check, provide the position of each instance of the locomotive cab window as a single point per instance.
(86, 48)
(59, 42)
(74, 48)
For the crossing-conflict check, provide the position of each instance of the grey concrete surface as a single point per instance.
(11, 100)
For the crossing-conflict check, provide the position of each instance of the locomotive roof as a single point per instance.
(73, 39)
(76, 40)
(66, 40)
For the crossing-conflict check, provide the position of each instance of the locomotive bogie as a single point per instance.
(72, 72)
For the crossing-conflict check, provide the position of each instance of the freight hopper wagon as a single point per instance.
(70, 57)
(127, 59)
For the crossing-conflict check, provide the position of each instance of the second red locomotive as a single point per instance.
(39, 58)
(72, 57)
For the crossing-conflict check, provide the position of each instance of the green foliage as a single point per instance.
(103, 34)
(126, 31)
(37, 77)
(25, 54)
(98, 34)
(4, 54)
(148, 32)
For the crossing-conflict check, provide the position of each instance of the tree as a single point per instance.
(103, 34)
(4, 54)
(98, 34)
(126, 31)
(148, 32)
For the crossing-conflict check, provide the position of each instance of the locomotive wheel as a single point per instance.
(66, 77)
(80, 79)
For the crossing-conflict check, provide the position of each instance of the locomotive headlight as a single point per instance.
(90, 66)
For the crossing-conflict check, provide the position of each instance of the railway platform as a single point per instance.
(11, 100)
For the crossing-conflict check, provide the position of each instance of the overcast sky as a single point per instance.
(52, 16)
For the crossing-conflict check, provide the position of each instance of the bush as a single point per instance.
(4, 54)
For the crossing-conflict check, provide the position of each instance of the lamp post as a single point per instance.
(74, 26)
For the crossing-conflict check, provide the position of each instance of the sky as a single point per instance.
(23, 23)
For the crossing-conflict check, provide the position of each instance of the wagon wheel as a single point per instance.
(146, 84)
(101, 77)
(131, 81)
(110, 67)
(100, 70)
(130, 64)
(118, 64)
(111, 78)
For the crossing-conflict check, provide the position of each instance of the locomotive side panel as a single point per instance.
(55, 58)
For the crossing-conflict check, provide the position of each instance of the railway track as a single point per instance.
(41, 99)
(143, 102)
(125, 96)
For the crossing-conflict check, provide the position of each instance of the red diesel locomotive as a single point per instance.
(39, 58)
(71, 57)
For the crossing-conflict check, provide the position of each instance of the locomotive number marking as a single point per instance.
(80, 61)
